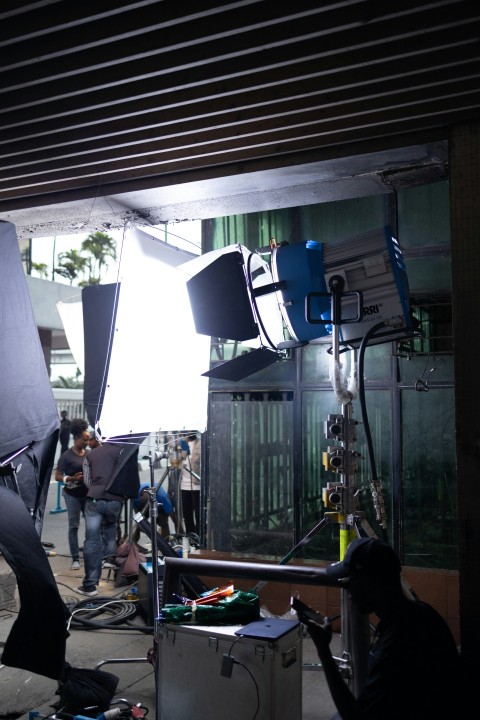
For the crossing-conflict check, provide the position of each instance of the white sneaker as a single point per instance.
(75, 565)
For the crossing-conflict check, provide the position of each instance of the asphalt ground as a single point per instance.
(25, 695)
(24, 692)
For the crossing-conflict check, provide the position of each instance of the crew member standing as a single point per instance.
(69, 471)
(64, 436)
(102, 513)
(190, 485)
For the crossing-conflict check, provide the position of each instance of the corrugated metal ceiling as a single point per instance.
(100, 98)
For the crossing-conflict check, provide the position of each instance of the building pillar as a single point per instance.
(464, 151)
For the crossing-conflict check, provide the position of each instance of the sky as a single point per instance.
(185, 235)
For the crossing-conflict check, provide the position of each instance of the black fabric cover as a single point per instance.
(87, 692)
(99, 312)
(126, 478)
(29, 474)
(37, 640)
(28, 412)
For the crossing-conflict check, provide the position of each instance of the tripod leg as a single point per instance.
(192, 583)
(311, 534)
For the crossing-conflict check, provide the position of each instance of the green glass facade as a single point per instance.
(265, 442)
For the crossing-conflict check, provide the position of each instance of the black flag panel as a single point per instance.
(99, 314)
(99, 311)
(27, 407)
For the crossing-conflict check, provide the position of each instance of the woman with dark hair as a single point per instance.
(70, 472)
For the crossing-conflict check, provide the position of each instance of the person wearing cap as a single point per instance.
(93, 441)
(413, 666)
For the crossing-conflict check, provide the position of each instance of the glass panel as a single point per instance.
(316, 363)
(429, 357)
(250, 473)
(424, 235)
(424, 215)
(429, 274)
(423, 370)
(428, 479)
(316, 407)
(335, 220)
(254, 230)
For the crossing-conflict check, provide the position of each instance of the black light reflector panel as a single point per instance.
(243, 365)
(220, 301)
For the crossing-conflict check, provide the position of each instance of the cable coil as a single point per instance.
(117, 611)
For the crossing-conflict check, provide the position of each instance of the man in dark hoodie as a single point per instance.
(102, 513)
(414, 665)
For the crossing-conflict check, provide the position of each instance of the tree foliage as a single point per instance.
(90, 262)
(41, 269)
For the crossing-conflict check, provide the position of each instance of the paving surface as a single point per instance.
(24, 692)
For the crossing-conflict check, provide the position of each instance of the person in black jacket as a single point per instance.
(102, 513)
(414, 669)
(64, 436)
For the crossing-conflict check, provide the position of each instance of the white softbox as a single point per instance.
(153, 379)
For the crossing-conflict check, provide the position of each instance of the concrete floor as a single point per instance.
(22, 692)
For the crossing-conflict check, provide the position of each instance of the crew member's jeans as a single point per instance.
(75, 509)
(101, 520)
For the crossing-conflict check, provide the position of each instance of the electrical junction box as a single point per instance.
(196, 676)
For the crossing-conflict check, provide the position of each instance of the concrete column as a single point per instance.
(464, 150)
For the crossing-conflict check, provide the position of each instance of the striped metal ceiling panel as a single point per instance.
(113, 96)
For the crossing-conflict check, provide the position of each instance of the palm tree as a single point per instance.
(100, 246)
(41, 269)
(71, 264)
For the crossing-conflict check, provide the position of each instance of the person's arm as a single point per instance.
(195, 458)
(321, 634)
(59, 470)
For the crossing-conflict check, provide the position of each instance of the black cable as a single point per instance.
(256, 686)
(121, 610)
(361, 393)
(363, 406)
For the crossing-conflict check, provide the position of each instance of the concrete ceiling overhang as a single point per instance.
(316, 182)
(156, 110)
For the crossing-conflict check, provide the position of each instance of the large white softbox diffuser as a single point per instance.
(154, 376)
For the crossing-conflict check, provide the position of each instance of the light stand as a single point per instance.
(194, 585)
(153, 509)
(371, 265)
(342, 497)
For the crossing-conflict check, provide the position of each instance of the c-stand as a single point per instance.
(159, 545)
(342, 497)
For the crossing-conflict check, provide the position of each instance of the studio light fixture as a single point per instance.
(298, 295)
